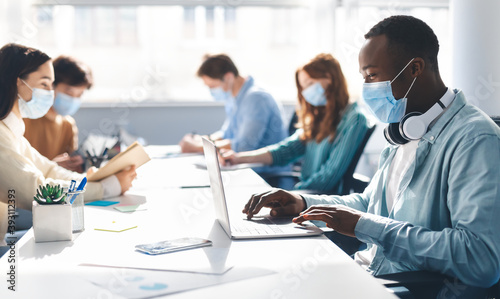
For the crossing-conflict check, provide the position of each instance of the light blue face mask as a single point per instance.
(66, 105)
(41, 101)
(380, 100)
(225, 97)
(220, 95)
(315, 95)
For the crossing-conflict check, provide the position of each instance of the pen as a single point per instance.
(80, 188)
(190, 187)
(70, 189)
(72, 186)
(104, 152)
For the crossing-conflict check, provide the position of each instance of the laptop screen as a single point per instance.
(213, 167)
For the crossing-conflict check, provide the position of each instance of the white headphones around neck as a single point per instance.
(413, 125)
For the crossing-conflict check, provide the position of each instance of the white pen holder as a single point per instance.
(52, 222)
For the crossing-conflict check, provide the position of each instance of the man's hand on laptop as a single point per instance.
(341, 218)
(281, 202)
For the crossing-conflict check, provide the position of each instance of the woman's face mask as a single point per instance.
(39, 105)
(315, 95)
(380, 100)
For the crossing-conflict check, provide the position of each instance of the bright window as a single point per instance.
(151, 53)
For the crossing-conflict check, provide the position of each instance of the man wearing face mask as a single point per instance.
(253, 118)
(433, 203)
(55, 135)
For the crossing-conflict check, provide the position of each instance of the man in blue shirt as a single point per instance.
(434, 202)
(253, 118)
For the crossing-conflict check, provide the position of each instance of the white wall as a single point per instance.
(476, 52)
(159, 124)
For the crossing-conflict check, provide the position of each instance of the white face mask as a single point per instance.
(41, 101)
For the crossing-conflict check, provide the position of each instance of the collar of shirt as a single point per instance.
(233, 102)
(454, 101)
(15, 124)
(446, 99)
(246, 86)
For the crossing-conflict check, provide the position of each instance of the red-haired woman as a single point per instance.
(330, 129)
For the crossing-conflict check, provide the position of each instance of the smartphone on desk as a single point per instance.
(173, 245)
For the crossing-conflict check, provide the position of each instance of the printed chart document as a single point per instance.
(133, 155)
(137, 284)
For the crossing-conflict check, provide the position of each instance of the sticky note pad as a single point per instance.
(130, 208)
(115, 226)
(102, 203)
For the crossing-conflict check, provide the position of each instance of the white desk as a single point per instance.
(301, 267)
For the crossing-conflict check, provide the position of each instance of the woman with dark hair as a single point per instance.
(26, 78)
(330, 129)
(72, 78)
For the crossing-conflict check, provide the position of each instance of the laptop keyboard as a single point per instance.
(261, 226)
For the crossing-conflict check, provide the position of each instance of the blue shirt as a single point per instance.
(324, 163)
(446, 214)
(253, 119)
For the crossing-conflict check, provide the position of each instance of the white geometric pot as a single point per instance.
(52, 222)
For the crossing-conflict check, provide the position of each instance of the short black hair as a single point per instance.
(16, 61)
(72, 72)
(408, 36)
(216, 66)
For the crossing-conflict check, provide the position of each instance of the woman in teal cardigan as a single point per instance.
(330, 129)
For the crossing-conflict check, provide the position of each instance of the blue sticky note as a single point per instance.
(102, 203)
(153, 287)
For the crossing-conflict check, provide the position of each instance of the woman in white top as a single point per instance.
(26, 77)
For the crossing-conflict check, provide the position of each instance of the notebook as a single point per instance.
(238, 227)
(133, 155)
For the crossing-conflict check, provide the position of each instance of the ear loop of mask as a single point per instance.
(27, 86)
(413, 82)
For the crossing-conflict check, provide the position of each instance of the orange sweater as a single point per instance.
(52, 137)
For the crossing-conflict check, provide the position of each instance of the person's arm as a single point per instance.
(191, 143)
(342, 152)
(22, 175)
(287, 151)
(217, 135)
(257, 156)
(470, 249)
(71, 162)
(53, 174)
(358, 201)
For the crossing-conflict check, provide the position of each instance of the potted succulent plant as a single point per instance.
(51, 214)
(46, 195)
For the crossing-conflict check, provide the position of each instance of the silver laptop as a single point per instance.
(240, 227)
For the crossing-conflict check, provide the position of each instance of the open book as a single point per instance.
(133, 155)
